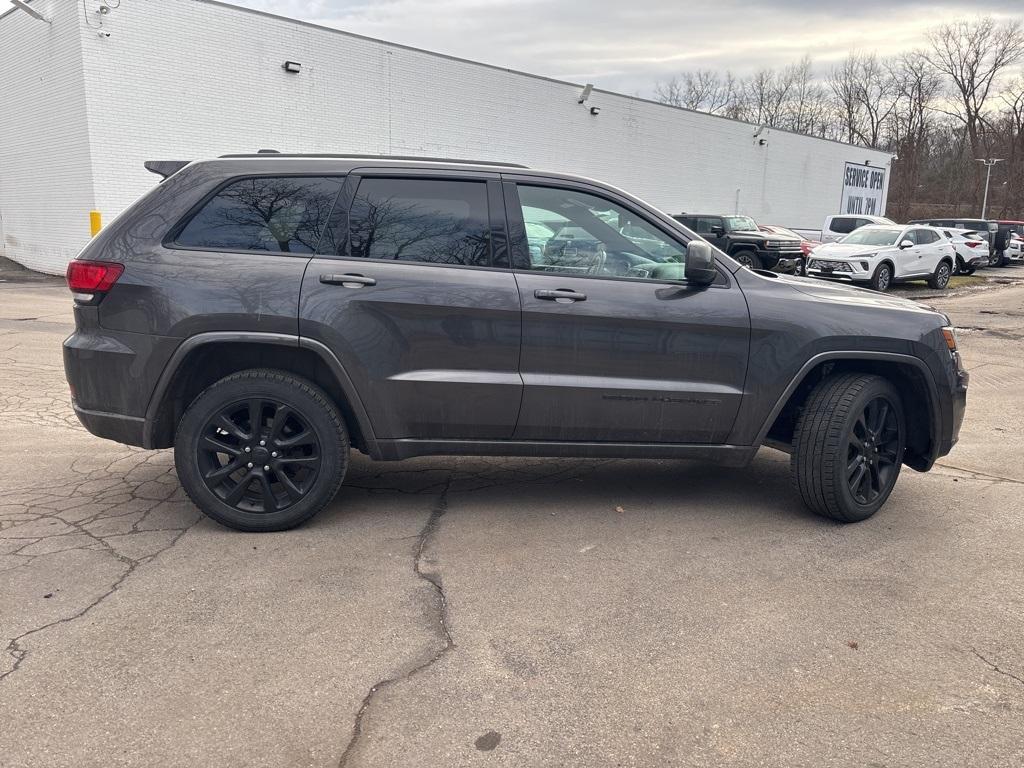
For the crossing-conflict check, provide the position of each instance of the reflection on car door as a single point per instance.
(624, 351)
(404, 292)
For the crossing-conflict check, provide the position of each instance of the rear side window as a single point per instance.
(429, 220)
(281, 214)
(843, 224)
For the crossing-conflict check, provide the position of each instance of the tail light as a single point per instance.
(972, 243)
(90, 280)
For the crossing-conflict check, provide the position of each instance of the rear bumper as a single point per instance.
(111, 375)
(112, 426)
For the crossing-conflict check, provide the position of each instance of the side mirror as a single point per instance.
(700, 263)
(906, 244)
(718, 231)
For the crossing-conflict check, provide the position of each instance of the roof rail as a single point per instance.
(267, 154)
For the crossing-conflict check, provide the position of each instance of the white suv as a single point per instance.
(883, 254)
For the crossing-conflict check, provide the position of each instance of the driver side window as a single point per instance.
(575, 233)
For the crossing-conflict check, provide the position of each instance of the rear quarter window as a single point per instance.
(277, 214)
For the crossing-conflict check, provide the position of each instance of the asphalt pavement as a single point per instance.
(510, 612)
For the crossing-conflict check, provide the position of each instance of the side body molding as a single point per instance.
(280, 339)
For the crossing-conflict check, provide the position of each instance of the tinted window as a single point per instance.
(924, 237)
(436, 221)
(593, 236)
(843, 224)
(281, 214)
(703, 224)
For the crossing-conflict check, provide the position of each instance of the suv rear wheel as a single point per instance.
(261, 450)
(940, 278)
(848, 446)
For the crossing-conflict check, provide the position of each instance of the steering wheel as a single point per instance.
(601, 258)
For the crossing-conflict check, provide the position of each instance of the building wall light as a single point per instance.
(291, 66)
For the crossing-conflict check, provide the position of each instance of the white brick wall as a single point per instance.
(183, 79)
(45, 166)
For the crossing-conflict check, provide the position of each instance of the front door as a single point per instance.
(616, 346)
(404, 291)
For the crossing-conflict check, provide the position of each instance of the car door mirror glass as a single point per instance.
(700, 263)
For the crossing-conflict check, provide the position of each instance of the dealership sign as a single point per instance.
(863, 189)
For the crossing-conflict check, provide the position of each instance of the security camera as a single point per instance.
(103, 34)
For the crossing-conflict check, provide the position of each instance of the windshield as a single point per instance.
(872, 237)
(739, 224)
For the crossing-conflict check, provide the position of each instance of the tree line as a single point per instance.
(938, 108)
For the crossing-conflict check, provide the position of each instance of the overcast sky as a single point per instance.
(628, 45)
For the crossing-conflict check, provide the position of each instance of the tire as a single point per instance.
(284, 471)
(995, 260)
(825, 465)
(940, 278)
(748, 258)
(881, 281)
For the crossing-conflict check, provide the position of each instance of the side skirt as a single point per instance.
(406, 448)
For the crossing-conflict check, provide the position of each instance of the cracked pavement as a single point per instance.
(509, 612)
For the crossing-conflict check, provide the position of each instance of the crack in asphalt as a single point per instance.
(108, 494)
(996, 668)
(426, 534)
(19, 654)
(974, 474)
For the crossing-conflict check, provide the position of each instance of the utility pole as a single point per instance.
(988, 163)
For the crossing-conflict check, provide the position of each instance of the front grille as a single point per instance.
(829, 266)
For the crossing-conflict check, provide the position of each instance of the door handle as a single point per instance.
(348, 281)
(561, 295)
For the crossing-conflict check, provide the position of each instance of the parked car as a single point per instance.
(1015, 249)
(838, 226)
(880, 255)
(394, 306)
(971, 249)
(1004, 241)
(740, 237)
(984, 227)
(806, 244)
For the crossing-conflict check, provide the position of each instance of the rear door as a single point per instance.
(406, 289)
(916, 260)
(621, 349)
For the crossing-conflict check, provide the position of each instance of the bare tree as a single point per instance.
(973, 55)
(703, 90)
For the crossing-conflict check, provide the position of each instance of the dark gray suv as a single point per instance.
(264, 314)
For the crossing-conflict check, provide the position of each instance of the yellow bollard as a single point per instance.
(95, 222)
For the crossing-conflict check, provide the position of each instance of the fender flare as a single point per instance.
(890, 357)
(252, 337)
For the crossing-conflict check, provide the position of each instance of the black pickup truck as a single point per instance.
(739, 237)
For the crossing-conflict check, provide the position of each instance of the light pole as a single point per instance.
(988, 163)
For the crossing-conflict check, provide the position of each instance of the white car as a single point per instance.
(838, 226)
(1015, 249)
(971, 249)
(880, 255)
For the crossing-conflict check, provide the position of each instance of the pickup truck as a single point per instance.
(740, 237)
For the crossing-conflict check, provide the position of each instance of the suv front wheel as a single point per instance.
(848, 446)
(261, 450)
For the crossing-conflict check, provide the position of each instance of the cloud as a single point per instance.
(629, 46)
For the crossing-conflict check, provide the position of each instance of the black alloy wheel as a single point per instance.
(258, 455)
(873, 458)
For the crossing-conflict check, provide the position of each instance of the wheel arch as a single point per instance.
(206, 358)
(909, 374)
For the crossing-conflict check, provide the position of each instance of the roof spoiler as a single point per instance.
(165, 168)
